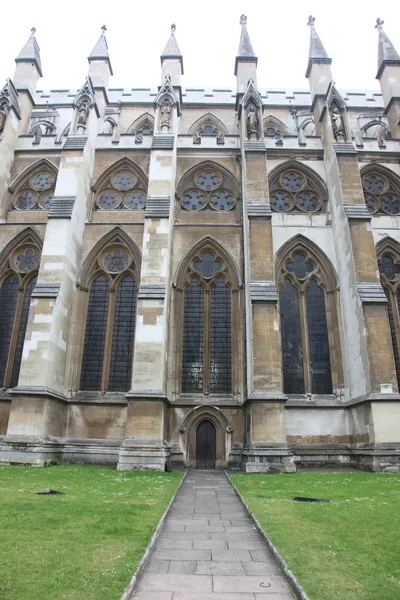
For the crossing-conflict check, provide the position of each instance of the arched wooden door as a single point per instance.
(205, 445)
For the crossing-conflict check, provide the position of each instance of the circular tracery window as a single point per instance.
(293, 190)
(380, 194)
(115, 260)
(26, 260)
(35, 191)
(43, 180)
(122, 191)
(208, 189)
(25, 200)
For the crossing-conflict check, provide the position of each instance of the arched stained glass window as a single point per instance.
(207, 325)
(389, 269)
(16, 289)
(110, 322)
(305, 342)
(381, 193)
(294, 190)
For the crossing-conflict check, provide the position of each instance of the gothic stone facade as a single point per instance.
(200, 277)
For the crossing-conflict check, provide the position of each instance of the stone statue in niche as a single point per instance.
(252, 122)
(3, 116)
(166, 112)
(83, 114)
(338, 124)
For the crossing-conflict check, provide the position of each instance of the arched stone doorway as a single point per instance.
(205, 445)
(223, 435)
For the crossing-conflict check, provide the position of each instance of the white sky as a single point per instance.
(208, 35)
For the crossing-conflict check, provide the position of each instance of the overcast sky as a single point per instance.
(208, 35)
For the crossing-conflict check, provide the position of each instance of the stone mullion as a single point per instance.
(305, 343)
(108, 339)
(207, 338)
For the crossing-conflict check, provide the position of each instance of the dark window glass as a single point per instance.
(8, 303)
(207, 266)
(292, 349)
(193, 338)
(300, 267)
(270, 132)
(393, 330)
(95, 335)
(123, 336)
(21, 331)
(321, 380)
(220, 339)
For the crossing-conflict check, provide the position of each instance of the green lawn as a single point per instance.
(348, 549)
(84, 544)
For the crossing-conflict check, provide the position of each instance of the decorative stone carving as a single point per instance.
(166, 101)
(166, 110)
(8, 101)
(252, 122)
(3, 116)
(252, 104)
(338, 124)
(83, 102)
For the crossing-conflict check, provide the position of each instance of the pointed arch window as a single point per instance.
(207, 188)
(381, 193)
(110, 322)
(389, 269)
(122, 189)
(35, 191)
(293, 190)
(206, 365)
(17, 282)
(305, 304)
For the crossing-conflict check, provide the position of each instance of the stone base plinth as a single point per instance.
(29, 450)
(267, 459)
(380, 458)
(143, 455)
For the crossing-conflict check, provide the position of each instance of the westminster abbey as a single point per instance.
(200, 277)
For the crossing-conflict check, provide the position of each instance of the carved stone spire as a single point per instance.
(31, 53)
(317, 53)
(387, 54)
(100, 51)
(246, 51)
(171, 60)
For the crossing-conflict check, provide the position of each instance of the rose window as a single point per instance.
(135, 200)
(122, 191)
(116, 261)
(124, 181)
(42, 181)
(28, 260)
(294, 191)
(208, 189)
(26, 200)
(381, 195)
(109, 200)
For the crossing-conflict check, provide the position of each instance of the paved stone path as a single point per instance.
(209, 549)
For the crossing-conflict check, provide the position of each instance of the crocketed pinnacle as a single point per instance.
(387, 54)
(100, 51)
(245, 46)
(171, 50)
(31, 52)
(317, 53)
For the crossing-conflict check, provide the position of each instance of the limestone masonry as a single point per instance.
(200, 277)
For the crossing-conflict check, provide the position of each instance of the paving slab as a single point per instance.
(209, 549)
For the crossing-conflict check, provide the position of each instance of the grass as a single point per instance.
(84, 544)
(348, 549)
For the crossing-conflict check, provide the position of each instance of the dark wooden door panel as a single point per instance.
(205, 445)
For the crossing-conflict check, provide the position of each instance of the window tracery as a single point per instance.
(35, 191)
(381, 193)
(306, 311)
(18, 276)
(294, 190)
(207, 336)
(208, 188)
(110, 322)
(124, 189)
(389, 269)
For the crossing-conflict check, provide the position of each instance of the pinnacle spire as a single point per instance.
(171, 50)
(100, 51)
(387, 54)
(31, 52)
(245, 46)
(246, 51)
(317, 53)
